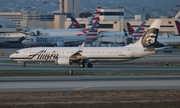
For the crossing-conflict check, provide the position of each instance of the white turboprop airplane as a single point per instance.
(60, 41)
(82, 55)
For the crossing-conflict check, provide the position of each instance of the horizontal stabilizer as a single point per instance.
(161, 48)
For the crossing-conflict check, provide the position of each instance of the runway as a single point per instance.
(14, 67)
(152, 64)
(80, 83)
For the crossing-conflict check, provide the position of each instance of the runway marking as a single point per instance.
(85, 87)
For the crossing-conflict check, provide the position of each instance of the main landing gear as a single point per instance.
(24, 64)
(89, 65)
(82, 65)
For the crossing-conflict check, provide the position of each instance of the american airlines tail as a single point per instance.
(75, 24)
(91, 35)
(94, 17)
(178, 26)
(149, 38)
(139, 31)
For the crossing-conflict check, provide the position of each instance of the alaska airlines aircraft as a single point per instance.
(82, 55)
(63, 40)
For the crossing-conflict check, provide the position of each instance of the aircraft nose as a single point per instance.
(11, 56)
(24, 41)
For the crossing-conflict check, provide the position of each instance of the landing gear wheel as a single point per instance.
(70, 62)
(24, 65)
(70, 72)
(89, 65)
(81, 65)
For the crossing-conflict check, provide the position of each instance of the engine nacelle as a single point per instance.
(59, 44)
(62, 61)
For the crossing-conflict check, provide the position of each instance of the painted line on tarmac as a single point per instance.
(82, 88)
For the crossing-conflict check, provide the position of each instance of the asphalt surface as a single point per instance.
(80, 83)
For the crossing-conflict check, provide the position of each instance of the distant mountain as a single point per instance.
(155, 8)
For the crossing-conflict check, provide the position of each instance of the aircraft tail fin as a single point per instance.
(125, 33)
(139, 31)
(130, 29)
(75, 24)
(178, 26)
(149, 38)
(93, 32)
(94, 17)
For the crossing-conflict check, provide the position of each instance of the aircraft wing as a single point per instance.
(77, 55)
(70, 41)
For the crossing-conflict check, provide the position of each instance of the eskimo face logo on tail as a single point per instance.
(150, 37)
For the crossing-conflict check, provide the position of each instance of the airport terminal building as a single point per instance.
(110, 19)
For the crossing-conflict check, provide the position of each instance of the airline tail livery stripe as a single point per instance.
(178, 26)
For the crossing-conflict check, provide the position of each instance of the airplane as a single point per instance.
(161, 40)
(10, 33)
(119, 37)
(75, 24)
(178, 26)
(173, 40)
(70, 31)
(124, 33)
(139, 31)
(60, 41)
(81, 55)
(75, 36)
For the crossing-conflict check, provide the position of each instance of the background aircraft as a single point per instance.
(63, 40)
(7, 39)
(139, 31)
(119, 38)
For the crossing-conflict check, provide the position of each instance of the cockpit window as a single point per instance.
(31, 39)
(17, 52)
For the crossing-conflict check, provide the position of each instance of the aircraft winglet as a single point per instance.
(81, 47)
